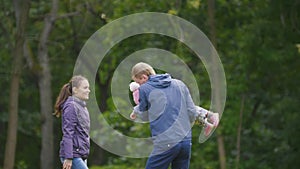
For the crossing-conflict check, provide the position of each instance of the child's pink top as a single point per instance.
(136, 96)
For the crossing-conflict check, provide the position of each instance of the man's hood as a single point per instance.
(160, 80)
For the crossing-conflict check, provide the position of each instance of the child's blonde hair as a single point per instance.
(140, 69)
(133, 86)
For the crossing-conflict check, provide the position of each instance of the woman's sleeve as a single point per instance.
(68, 128)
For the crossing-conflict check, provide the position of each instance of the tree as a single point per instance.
(45, 90)
(42, 70)
(212, 26)
(21, 14)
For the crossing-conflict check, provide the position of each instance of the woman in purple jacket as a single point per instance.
(71, 105)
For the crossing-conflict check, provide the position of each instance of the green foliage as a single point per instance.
(256, 41)
(21, 165)
(263, 59)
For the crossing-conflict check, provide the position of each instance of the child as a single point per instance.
(134, 88)
(208, 119)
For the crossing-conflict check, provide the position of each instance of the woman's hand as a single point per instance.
(67, 164)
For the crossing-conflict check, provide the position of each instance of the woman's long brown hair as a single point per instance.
(65, 92)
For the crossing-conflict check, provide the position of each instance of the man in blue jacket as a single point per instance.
(167, 104)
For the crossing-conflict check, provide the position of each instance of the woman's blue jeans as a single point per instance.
(178, 156)
(77, 163)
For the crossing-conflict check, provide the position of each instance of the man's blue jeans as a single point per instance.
(77, 163)
(178, 156)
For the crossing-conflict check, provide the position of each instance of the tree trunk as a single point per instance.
(212, 26)
(21, 12)
(238, 142)
(47, 151)
(46, 116)
(221, 148)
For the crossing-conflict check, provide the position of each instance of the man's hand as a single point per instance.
(133, 116)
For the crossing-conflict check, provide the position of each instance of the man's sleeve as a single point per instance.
(142, 108)
(191, 108)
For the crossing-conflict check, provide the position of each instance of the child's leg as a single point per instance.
(208, 128)
(213, 118)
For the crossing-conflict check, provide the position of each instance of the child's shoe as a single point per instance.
(208, 128)
(214, 118)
